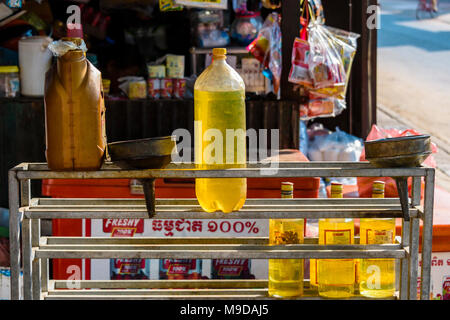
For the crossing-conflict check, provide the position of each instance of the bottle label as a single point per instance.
(342, 236)
(287, 237)
(379, 236)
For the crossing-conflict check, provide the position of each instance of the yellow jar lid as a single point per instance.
(9, 69)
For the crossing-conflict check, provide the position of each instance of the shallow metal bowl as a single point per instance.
(149, 153)
(409, 151)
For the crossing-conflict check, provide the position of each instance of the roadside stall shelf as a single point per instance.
(37, 250)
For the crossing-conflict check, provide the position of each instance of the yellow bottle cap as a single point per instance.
(9, 69)
(378, 189)
(287, 190)
(337, 190)
(379, 184)
(287, 186)
(219, 51)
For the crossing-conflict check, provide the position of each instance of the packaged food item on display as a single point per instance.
(251, 73)
(156, 71)
(137, 90)
(299, 73)
(154, 88)
(321, 106)
(9, 81)
(203, 4)
(169, 5)
(133, 87)
(231, 269)
(179, 88)
(166, 90)
(174, 66)
(446, 288)
(179, 269)
(321, 62)
(266, 48)
(345, 44)
(325, 63)
(129, 269)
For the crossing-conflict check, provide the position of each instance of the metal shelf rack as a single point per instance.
(37, 249)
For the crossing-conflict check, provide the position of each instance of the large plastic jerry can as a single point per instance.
(74, 113)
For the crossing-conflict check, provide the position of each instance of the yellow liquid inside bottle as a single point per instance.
(336, 277)
(313, 272)
(286, 275)
(377, 276)
(220, 140)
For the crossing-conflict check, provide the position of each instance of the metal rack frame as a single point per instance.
(37, 250)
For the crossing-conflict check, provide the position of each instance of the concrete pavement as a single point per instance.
(414, 75)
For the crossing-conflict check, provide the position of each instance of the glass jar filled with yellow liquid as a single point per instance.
(286, 275)
(220, 134)
(336, 277)
(377, 276)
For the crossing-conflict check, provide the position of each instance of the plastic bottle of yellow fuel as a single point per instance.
(286, 275)
(220, 140)
(336, 277)
(377, 276)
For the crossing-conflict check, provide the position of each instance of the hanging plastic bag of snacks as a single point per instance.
(266, 48)
(322, 57)
(325, 61)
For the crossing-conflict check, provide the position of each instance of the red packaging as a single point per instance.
(446, 288)
(179, 88)
(231, 269)
(299, 73)
(154, 88)
(126, 268)
(179, 269)
(166, 88)
(129, 269)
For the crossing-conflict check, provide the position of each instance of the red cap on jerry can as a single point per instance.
(74, 30)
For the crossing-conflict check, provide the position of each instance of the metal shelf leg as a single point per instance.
(427, 235)
(36, 264)
(414, 240)
(14, 234)
(404, 263)
(26, 255)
